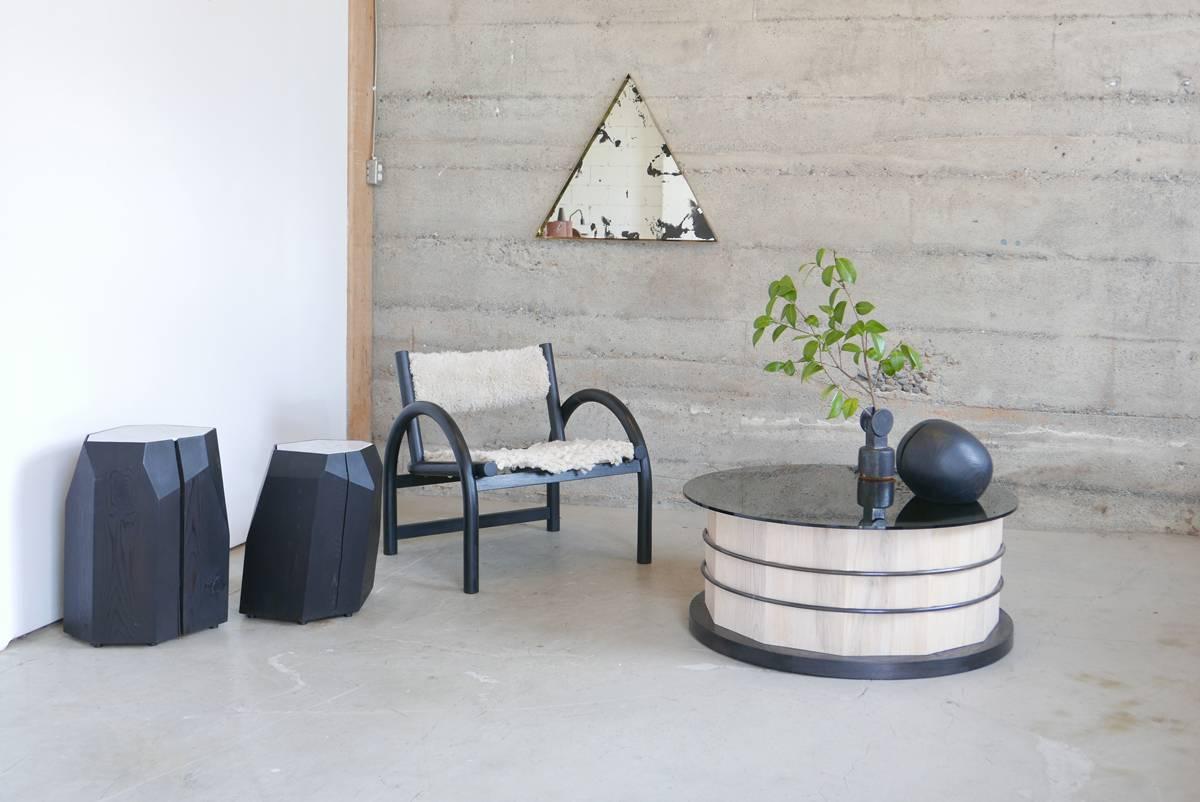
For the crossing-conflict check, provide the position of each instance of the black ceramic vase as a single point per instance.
(942, 462)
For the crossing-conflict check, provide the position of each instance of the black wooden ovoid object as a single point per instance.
(314, 538)
(147, 536)
(942, 462)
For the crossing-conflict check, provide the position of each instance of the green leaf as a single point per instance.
(864, 307)
(897, 360)
(833, 295)
(832, 336)
(786, 284)
(856, 328)
(820, 256)
(847, 270)
(857, 356)
(829, 388)
(827, 276)
(849, 408)
(826, 309)
(779, 330)
(810, 350)
(914, 358)
(789, 314)
(840, 266)
(762, 321)
(875, 327)
(835, 406)
(851, 347)
(773, 289)
(812, 320)
(879, 343)
(839, 311)
(809, 370)
(789, 368)
(773, 367)
(771, 306)
(758, 333)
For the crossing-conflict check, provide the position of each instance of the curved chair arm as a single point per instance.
(462, 458)
(614, 405)
(454, 436)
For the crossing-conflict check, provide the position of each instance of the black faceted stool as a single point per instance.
(147, 541)
(314, 538)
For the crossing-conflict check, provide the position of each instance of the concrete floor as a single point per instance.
(572, 676)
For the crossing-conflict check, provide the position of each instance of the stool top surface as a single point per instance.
(829, 496)
(151, 433)
(324, 446)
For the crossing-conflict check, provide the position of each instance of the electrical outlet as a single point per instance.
(374, 172)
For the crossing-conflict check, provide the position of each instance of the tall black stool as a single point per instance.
(147, 540)
(314, 537)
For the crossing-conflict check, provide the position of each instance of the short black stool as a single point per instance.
(314, 537)
(147, 540)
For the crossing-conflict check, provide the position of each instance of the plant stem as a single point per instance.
(837, 356)
(863, 337)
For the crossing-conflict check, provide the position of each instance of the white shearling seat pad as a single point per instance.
(554, 456)
(478, 380)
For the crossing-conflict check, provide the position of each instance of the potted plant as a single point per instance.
(842, 347)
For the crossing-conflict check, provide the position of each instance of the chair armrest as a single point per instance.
(614, 405)
(454, 436)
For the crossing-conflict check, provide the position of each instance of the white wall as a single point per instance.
(172, 245)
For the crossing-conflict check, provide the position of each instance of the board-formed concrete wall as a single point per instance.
(1018, 182)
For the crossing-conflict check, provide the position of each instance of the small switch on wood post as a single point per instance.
(374, 172)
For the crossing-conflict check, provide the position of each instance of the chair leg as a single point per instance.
(645, 510)
(470, 536)
(390, 540)
(552, 507)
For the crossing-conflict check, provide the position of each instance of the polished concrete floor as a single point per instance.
(572, 676)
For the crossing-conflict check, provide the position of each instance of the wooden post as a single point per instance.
(360, 223)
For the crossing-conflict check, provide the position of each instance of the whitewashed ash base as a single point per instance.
(789, 586)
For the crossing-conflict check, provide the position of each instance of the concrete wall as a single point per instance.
(1018, 182)
(172, 245)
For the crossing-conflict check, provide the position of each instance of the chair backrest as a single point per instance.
(474, 381)
(478, 380)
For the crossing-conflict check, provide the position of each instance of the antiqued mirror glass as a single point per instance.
(627, 184)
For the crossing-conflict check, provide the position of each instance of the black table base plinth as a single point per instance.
(818, 664)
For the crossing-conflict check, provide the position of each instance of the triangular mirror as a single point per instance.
(627, 184)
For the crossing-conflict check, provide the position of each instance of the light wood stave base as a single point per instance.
(790, 586)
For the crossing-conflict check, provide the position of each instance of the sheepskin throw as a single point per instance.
(479, 380)
(554, 456)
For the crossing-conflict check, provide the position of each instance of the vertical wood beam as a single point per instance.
(360, 209)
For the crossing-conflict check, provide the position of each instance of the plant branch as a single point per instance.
(838, 364)
(863, 338)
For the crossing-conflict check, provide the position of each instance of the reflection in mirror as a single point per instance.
(627, 184)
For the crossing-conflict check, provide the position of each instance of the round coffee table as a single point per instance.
(809, 569)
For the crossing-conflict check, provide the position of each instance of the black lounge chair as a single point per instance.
(476, 476)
